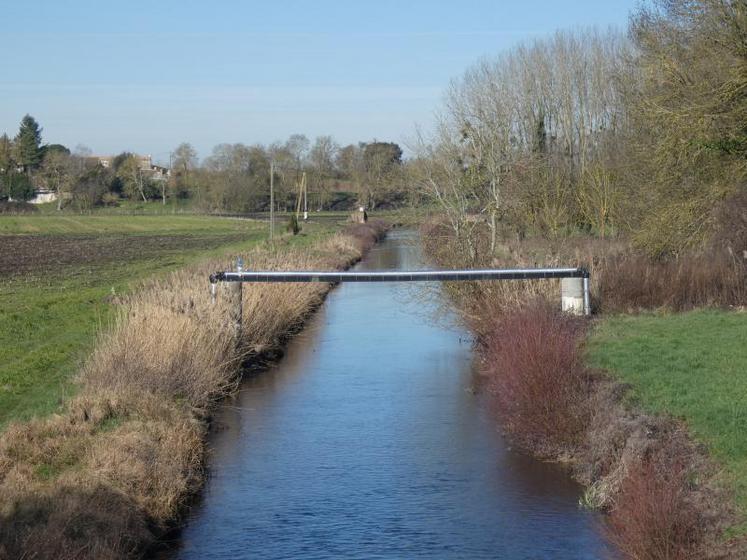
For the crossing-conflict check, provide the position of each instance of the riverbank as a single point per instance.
(664, 494)
(105, 476)
(60, 277)
(371, 439)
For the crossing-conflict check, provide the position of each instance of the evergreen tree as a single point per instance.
(6, 154)
(28, 149)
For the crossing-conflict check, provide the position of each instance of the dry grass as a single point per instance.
(622, 280)
(102, 479)
(656, 485)
(633, 282)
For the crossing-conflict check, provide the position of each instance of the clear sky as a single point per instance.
(145, 76)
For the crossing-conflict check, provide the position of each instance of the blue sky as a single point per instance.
(145, 76)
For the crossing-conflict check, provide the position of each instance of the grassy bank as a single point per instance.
(61, 274)
(692, 366)
(630, 435)
(107, 474)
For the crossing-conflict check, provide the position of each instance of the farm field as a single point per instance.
(691, 366)
(60, 274)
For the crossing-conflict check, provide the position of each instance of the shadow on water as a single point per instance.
(369, 439)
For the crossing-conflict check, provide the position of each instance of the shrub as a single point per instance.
(656, 515)
(17, 207)
(537, 373)
(293, 226)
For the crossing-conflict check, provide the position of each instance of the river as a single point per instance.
(372, 439)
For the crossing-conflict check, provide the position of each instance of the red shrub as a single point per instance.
(537, 373)
(656, 515)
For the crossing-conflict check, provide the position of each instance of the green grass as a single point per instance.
(56, 286)
(692, 366)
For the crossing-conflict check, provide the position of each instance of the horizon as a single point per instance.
(159, 75)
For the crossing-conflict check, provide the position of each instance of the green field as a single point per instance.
(692, 366)
(57, 277)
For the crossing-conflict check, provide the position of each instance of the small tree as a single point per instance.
(131, 174)
(90, 187)
(6, 154)
(57, 170)
(19, 187)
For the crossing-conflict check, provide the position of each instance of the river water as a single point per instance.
(372, 439)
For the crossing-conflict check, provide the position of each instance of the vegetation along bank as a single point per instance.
(112, 470)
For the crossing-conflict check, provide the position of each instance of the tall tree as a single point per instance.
(184, 159)
(28, 150)
(381, 161)
(322, 158)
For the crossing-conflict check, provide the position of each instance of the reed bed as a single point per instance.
(113, 470)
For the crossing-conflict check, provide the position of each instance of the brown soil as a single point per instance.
(36, 255)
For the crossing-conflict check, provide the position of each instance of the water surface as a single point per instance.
(371, 439)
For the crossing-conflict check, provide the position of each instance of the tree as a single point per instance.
(57, 170)
(184, 159)
(19, 186)
(381, 162)
(90, 187)
(6, 154)
(322, 158)
(28, 151)
(129, 171)
(53, 148)
(7, 164)
(298, 146)
(690, 109)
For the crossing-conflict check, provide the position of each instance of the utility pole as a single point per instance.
(305, 204)
(272, 198)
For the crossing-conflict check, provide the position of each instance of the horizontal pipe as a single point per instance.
(400, 276)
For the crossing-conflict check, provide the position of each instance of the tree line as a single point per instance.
(643, 133)
(233, 178)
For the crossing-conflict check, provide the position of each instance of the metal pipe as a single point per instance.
(401, 276)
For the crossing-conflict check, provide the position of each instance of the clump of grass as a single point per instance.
(114, 468)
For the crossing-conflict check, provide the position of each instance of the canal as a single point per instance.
(371, 438)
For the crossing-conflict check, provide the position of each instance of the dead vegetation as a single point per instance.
(103, 478)
(644, 471)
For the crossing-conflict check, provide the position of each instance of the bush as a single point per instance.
(110, 199)
(293, 226)
(15, 207)
(537, 373)
(656, 516)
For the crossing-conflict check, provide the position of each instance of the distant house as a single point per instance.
(149, 169)
(43, 195)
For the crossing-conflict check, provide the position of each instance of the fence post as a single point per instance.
(235, 303)
(572, 295)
